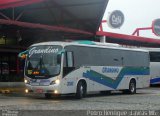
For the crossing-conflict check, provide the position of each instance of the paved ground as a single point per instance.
(145, 99)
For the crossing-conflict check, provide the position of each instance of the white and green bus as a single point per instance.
(82, 67)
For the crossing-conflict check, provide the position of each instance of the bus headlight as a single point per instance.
(26, 81)
(57, 81)
(26, 90)
(55, 92)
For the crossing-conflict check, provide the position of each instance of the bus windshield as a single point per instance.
(42, 62)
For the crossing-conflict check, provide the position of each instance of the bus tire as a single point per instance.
(132, 86)
(48, 95)
(81, 90)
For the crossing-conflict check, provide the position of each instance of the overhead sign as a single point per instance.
(156, 27)
(116, 19)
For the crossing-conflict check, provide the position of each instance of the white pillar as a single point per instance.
(103, 39)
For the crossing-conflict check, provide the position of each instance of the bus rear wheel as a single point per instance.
(81, 90)
(132, 87)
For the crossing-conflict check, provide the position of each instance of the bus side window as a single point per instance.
(70, 60)
(68, 65)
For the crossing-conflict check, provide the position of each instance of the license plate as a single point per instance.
(39, 90)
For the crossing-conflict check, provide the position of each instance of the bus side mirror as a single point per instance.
(23, 55)
(58, 58)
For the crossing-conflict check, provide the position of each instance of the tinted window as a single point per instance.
(155, 56)
(93, 56)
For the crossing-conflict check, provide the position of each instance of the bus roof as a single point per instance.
(89, 44)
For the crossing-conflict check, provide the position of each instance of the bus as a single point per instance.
(81, 67)
(154, 65)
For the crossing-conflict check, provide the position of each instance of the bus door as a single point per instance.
(68, 67)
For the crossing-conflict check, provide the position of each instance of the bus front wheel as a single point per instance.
(81, 90)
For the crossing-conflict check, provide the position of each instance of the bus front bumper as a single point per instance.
(43, 89)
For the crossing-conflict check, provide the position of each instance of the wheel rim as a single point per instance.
(81, 90)
(132, 87)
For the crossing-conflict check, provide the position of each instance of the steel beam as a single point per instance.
(19, 16)
(4, 4)
(138, 29)
(46, 27)
(3, 15)
(128, 37)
